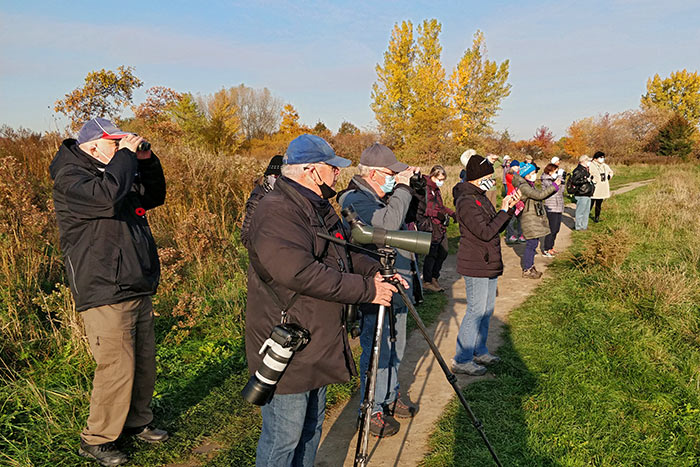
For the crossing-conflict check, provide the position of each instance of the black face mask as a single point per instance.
(326, 191)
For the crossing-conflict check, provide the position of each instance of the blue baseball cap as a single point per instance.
(526, 169)
(99, 128)
(307, 149)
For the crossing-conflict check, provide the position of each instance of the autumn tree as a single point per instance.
(154, 118)
(290, 121)
(429, 110)
(477, 87)
(347, 128)
(679, 92)
(258, 110)
(391, 93)
(543, 139)
(222, 132)
(576, 143)
(104, 94)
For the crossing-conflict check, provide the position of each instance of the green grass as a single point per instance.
(601, 365)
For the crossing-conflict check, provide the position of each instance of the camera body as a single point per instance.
(278, 350)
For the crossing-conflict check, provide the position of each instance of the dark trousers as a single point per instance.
(597, 204)
(554, 226)
(529, 256)
(433, 261)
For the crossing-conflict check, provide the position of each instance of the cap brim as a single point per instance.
(398, 167)
(338, 161)
(114, 135)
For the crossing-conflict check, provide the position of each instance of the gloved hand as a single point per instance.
(441, 216)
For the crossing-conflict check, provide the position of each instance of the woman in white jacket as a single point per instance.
(601, 174)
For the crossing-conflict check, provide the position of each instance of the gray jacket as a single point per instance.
(387, 214)
(554, 203)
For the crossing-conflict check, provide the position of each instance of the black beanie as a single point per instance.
(598, 155)
(478, 167)
(275, 166)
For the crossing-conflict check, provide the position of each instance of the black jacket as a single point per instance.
(287, 254)
(479, 252)
(581, 182)
(109, 251)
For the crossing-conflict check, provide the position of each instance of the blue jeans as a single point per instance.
(291, 429)
(481, 300)
(583, 209)
(529, 256)
(390, 355)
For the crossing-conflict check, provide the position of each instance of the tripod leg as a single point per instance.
(362, 450)
(451, 378)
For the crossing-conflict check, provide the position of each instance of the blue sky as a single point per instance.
(569, 59)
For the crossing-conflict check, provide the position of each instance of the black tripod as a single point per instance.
(387, 257)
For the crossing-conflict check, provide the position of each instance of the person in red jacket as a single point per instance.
(479, 261)
(439, 216)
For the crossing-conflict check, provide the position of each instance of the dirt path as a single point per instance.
(421, 376)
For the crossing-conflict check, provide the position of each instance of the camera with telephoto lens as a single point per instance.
(278, 350)
(351, 317)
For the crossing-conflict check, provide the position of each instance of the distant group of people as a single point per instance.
(106, 180)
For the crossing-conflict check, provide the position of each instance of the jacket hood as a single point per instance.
(357, 183)
(69, 153)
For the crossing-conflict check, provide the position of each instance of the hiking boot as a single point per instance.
(105, 454)
(431, 286)
(512, 239)
(487, 359)
(382, 425)
(437, 284)
(403, 407)
(470, 368)
(531, 273)
(148, 434)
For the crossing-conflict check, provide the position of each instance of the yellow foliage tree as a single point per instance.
(104, 94)
(679, 92)
(477, 86)
(223, 129)
(429, 125)
(391, 93)
(576, 143)
(290, 121)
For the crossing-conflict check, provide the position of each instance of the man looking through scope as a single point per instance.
(296, 277)
(380, 195)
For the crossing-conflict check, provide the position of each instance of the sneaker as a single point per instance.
(522, 239)
(553, 252)
(512, 239)
(486, 359)
(531, 273)
(403, 407)
(437, 284)
(547, 254)
(105, 454)
(148, 434)
(382, 425)
(431, 286)
(470, 368)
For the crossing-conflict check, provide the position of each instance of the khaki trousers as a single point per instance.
(122, 341)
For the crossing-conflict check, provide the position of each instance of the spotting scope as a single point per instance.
(363, 234)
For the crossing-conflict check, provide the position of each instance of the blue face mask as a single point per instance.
(439, 183)
(389, 184)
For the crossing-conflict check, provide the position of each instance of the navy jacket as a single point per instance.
(109, 251)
